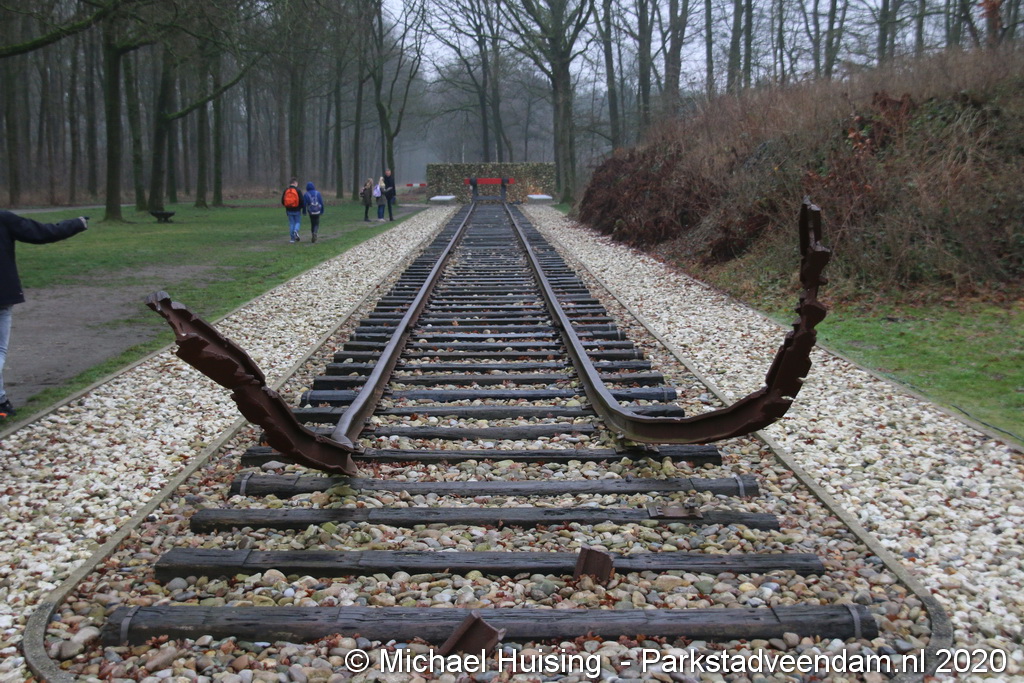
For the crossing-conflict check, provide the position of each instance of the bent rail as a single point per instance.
(211, 353)
(754, 411)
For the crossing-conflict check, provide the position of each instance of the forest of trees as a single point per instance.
(162, 101)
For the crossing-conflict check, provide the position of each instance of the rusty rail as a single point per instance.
(754, 411)
(211, 353)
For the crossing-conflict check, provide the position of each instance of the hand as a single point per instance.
(85, 220)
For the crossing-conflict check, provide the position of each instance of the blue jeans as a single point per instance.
(380, 212)
(5, 337)
(294, 221)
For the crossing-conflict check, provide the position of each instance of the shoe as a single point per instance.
(7, 410)
(298, 239)
(291, 241)
(314, 238)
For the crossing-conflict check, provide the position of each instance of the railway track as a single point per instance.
(465, 465)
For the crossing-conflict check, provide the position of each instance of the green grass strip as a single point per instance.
(215, 260)
(969, 356)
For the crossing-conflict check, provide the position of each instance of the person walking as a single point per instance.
(389, 191)
(291, 200)
(313, 204)
(378, 193)
(367, 196)
(15, 228)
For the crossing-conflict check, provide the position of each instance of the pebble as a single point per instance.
(925, 484)
(217, 660)
(161, 412)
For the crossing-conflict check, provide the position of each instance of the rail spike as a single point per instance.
(211, 353)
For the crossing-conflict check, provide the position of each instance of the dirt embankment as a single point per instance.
(916, 167)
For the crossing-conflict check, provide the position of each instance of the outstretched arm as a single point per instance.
(27, 230)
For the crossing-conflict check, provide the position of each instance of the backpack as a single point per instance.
(314, 206)
(291, 199)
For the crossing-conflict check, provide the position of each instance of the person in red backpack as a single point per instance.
(291, 200)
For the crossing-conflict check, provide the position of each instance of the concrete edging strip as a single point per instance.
(942, 626)
(33, 644)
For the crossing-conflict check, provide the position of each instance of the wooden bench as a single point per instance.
(162, 216)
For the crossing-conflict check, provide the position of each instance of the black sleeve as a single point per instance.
(27, 230)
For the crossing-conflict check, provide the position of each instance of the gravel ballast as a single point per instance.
(850, 430)
(74, 476)
(938, 493)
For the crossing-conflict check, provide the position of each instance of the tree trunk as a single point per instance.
(781, 41)
(500, 134)
(161, 129)
(485, 127)
(834, 34)
(131, 93)
(357, 131)
(13, 118)
(339, 162)
(645, 29)
(218, 134)
(282, 138)
(112, 55)
(678, 21)
(202, 155)
(565, 136)
(883, 31)
(173, 143)
(250, 153)
(91, 125)
(605, 30)
(748, 43)
(922, 7)
(73, 125)
(709, 49)
(295, 120)
(732, 82)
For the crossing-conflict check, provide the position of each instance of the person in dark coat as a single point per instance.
(389, 191)
(367, 196)
(313, 204)
(14, 228)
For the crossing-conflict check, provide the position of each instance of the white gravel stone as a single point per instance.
(937, 492)
(75, 476)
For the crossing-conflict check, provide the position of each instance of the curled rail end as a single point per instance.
(208, 351)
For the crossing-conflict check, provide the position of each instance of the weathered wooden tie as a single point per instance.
(525, 517)
(435, 625)
(289, 485)
(185, 562)
(696, 455)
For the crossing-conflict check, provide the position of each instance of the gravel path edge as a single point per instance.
(24, 422)
(941, 624)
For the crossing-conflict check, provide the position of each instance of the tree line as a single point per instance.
(149, 100)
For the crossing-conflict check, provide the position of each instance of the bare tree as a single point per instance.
(548, 32)
(395, 57)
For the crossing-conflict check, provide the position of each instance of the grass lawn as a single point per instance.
(968, 355)
(227, 256)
